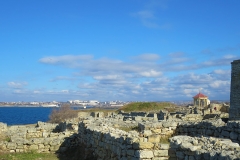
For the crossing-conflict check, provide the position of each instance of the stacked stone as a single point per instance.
(30, 137)
(192, 117)
(234, 110)
(204, 148)
(215, 128)
(159, 129)
(3, 127)
(106, 142)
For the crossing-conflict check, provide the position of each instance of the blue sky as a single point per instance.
(129, 50)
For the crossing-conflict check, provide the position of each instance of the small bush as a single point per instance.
(63, 113)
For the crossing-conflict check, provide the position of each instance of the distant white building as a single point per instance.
(34, 103)
(84, 103)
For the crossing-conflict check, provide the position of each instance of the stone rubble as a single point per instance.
(105, 138)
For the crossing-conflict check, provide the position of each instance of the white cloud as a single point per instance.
(17, 84)
(219, 84)
(148, 57)
(69, 60)
(151, 73)
(143, 77)
(19, 91)
(36, 92)
(222, 72)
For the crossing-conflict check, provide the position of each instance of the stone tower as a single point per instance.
(234, 110)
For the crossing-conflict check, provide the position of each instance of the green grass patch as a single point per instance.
(146, 106)
(28, 156)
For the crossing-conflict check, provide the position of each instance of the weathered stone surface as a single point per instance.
(233, 135)
(145, 145)
(143, 154)
(154, 138)
(33, 147)
(160, 153)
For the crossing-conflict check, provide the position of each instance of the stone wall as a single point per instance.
(106, 138)
(3, 127)
(215, 128)
(204, 148)
(105, 142)
(41, 137)
(234, 110)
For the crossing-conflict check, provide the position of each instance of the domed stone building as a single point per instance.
(201, 100)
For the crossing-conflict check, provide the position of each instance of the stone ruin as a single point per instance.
(187, 134)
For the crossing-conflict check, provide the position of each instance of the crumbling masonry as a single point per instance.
(234, 111)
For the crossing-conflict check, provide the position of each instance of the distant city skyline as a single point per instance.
(126, 50)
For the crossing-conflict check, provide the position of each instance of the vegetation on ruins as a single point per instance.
(147, 106)
(28, 156)
(63, 113)
(4, 137)
(105, 111)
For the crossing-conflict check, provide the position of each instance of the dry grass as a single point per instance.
(146, 106)
(105, 111)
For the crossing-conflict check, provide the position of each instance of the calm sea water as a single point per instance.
(27, 115)
(24, 115)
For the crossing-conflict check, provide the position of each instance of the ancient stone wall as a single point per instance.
(106, 142)
(41, 137)
(3, 127)
(215, 128)
(234, 111)
(203, 148)
(105, 138)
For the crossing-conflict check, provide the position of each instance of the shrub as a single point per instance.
(63, 113)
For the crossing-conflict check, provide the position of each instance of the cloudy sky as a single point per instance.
(129, 50)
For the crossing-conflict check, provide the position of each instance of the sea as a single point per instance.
(25, 115)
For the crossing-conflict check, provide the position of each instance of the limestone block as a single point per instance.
(160, 153)
(186, 145)
(54, 148)
(19, 150)
(160, 158)
(156, 131)
(11, 145)
(147, 133)
(163, 146)
(169, 124)
(31, 130)
(33, 147)
(55, 142)
(3, 146)
(154, 138)
(145, 145)
(12, 151)
(20, 146)
(144, 154)
(233, 135)
(41, 146)
(195, 148)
